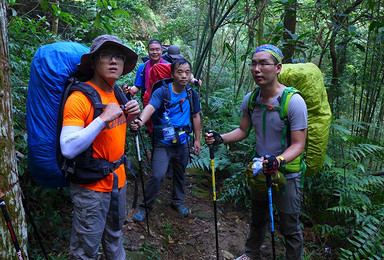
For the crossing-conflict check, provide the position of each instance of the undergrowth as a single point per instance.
(345, 201)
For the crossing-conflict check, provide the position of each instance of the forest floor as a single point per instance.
(170, 236)
(173, 237)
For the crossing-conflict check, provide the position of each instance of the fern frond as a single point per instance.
(364, 150)
(367, 242)
(345, 210)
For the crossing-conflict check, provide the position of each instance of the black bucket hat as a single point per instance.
(174, 52)
(107, 40)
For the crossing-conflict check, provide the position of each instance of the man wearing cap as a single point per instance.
(173, 53)
(265, 67)
(143, 79)
(99, 207)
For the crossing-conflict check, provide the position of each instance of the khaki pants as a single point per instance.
(92, 224)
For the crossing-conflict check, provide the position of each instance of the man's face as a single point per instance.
(263, 68)
(109, 63)
(181, 75)
(155, 51)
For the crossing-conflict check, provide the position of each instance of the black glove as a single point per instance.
(196, 82)
(272, 165)
(217, 136)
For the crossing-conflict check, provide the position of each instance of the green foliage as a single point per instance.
(179, 25)
(353, 197)
(50, 210)
(367, 243)
(345, 200)
(24, 36)
(150, 252)
(168, 229)
(203, 161)
(235, 190)
(222, 110)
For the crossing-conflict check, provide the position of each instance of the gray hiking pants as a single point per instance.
(162, 156)
(288, 206)
(92, 224)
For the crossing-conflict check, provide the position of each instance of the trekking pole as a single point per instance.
(10, 228)
(129, 95)
(212, 156)
(269, 185)
(136, 133)
(145, 150)
(268, 177)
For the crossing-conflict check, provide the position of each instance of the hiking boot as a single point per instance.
(183, 211)
(140, 215)
(243, 257)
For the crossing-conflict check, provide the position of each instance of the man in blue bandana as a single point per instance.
(265, 67)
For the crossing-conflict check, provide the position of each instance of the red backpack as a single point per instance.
(158, 72)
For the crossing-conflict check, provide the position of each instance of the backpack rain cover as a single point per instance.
(308, 78)
(51, 66)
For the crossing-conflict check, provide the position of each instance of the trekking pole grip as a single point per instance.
(135, 132)
(211, 148)
(268, 180)
(211, 152)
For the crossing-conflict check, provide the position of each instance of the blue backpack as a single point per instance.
(51, 67)
(52, 79)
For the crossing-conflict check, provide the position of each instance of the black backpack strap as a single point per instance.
(121, 98)
(92, 94)
(163, 83)
(73, 84)
(191, 96)
(166, 92)
(142, 74)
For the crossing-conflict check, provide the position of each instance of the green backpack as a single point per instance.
(307, 80)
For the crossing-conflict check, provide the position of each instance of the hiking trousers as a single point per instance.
(162, 156)
(288, 206)
(92, 224)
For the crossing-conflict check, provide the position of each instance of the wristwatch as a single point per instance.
(282, 161)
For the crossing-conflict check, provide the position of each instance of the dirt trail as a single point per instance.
(192, 237)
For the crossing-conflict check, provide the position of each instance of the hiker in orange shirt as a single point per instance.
(99, 205)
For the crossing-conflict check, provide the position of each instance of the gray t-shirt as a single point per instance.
(270, 142)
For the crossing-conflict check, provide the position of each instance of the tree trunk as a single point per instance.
(262, 7)
(289, 26)
(55, 21)
(9, 182)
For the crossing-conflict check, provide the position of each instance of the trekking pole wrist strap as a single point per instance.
(131, 92)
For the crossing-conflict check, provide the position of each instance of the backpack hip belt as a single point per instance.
(292, 167)
(158, 130)
(89, 171)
